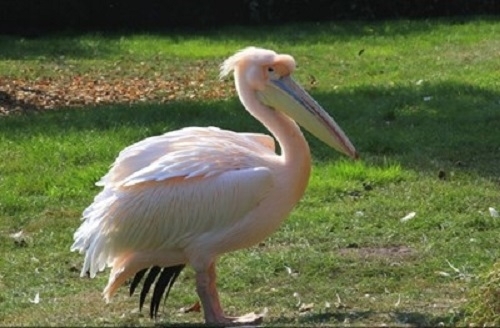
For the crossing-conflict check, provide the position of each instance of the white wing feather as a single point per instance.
(165, 191)
(263, 139)
(180, 145)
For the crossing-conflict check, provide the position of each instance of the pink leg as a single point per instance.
(205, 287)
(207, 291)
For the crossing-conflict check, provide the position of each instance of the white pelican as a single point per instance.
(188, 196)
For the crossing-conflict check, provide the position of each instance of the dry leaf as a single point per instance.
(398, 301)
(36, 300)
(17, 235)
(291, 272)
(19, 238)
(408, 217)
(339, 304)
(297, 296)
(306, 307)
(193, 308)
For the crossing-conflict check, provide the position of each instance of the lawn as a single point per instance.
(419, 99)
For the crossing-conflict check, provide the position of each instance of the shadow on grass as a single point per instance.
(416, 319)
(413, 319)
(448, 126)
(314, 319)
(101, 45)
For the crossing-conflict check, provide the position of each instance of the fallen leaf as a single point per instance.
(291, 272)
(297, 296)
(36, 300)
(19, 238)
(453, 267)
(306, 307)
(398, 301)
(193, 308)
(339, 304)
(312, 80)
(17, 235)
(408, 217)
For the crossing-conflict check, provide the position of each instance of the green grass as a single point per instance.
(344, 241)
(484, 303)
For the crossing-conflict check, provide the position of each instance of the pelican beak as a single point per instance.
(285, 95)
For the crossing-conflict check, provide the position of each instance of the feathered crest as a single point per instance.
(255, 54)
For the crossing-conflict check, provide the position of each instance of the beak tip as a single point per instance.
(354, 155)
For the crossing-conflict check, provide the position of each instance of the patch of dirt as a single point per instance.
(389, 252)
(19, 95)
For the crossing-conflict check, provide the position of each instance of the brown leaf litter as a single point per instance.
(19, 95)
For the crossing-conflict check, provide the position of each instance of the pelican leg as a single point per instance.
(207, 291)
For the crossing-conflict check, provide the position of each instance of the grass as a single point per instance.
(484, 304)
(421, 98)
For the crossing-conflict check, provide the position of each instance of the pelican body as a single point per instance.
(188, 196)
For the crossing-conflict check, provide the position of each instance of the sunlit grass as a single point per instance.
(420, 102)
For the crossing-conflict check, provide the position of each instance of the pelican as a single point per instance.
(188, 196)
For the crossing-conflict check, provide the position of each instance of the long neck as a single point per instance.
(295, 152)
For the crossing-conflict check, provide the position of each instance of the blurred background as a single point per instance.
(35, 17)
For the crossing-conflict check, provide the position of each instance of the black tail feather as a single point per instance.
(150, 279)
(163, 285)
(164, 282)
(137, 279)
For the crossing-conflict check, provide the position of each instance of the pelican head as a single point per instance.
(269, 74)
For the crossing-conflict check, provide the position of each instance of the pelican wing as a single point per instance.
(165, 215)
(197, 191)
(147, 155)
(198, 160)
(262, 139)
